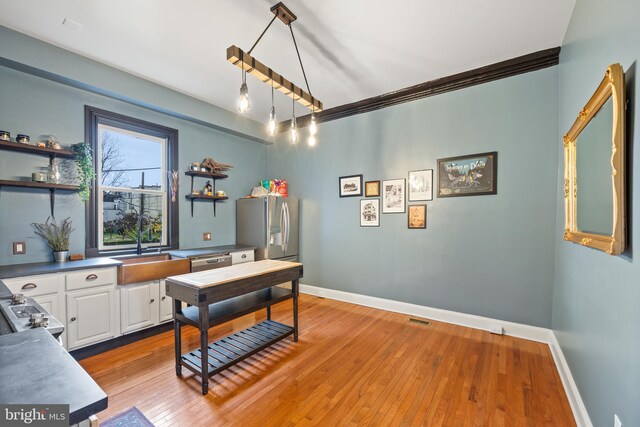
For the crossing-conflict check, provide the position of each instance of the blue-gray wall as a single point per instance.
(34, 105)
(485, 255)
(596, 296)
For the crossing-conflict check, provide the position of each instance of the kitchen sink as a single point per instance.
(144, 268)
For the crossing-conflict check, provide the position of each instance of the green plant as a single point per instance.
(57, 236)
(84, 166)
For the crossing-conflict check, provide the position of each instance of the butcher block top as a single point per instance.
(210, 278)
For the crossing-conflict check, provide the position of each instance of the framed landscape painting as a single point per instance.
(350, 186)
(420, 185)
(471, 175)
(370, 213)
(393, 196)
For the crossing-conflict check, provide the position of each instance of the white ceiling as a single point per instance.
(351, 49)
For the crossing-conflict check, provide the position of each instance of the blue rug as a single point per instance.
(132, 417)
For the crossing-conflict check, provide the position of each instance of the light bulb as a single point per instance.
(293, 132)
(273, 124)
(313, 127)
(243, 103)
(311, 141)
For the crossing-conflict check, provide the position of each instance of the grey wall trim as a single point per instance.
(5, 62)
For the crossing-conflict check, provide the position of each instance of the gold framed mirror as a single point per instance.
(594, 169)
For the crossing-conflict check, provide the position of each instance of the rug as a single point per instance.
(132, 417)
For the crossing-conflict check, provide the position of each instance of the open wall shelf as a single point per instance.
(212, 176)
(32, 149)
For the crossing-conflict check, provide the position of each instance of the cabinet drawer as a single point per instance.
(91, 277)
(33, 285)
(243, 256)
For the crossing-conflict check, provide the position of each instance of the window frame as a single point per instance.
(94, 118)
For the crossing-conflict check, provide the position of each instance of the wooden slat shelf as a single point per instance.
(203, 197)
(233, 308)
(32, 149)
(211, 175)
(237, 347)
(44, 185)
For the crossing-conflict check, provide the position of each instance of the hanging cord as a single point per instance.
(300, 59)
(259, 38)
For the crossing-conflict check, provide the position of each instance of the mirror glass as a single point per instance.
(593, 173)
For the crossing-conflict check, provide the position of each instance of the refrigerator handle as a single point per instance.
(283, 244)
(287, 221)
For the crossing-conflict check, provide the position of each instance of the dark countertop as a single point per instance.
(19, 270)
(35, 369)
(212, 250)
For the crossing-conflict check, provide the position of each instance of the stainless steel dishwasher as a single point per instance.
(209, 262)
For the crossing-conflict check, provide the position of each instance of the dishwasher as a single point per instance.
(209, 262)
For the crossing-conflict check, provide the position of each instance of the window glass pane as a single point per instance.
(131, 160)
(120, 214)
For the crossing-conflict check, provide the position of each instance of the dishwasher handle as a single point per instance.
(209, 263)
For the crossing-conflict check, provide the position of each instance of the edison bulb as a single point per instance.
(272, 126)
(243, 103)
(313, 127)
(293, 132)
(311, 141)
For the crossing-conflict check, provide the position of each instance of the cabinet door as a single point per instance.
(166, 304)
(92, 316)
(54, 305)
(139, 306)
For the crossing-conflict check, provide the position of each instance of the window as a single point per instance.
(130, 192)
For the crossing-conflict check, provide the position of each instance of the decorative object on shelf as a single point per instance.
(221, 193)
(350, 186)
(85, 169)
(49, 141)
(5, 136)
(173, 184)
(259, 191)
(372, 189)
(55, 176)
(417, 217)
(370, 213)
(247, 63)
(280, 187)
(76, 257)
(194, 167)
(57, 236)
(39, 177)
(41, 145)
(393, 196)
(421, 185)
(195, 192)
(208, 189)
(211, 165)
(595, 176)
(22, 139)
(470, 175)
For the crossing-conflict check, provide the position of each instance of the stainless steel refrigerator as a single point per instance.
(269, 223)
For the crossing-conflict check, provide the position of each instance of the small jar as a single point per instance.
(54, 174)
(5, 136)
(23, 139)
(195, 167)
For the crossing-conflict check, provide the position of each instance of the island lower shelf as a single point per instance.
(232, 349)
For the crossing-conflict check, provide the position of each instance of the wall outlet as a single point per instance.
(616, 421)
(206, 236)
(496, 329)
(19, 248)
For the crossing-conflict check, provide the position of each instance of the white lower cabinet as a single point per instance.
(92, 316)
(139, 306)
(166, 304)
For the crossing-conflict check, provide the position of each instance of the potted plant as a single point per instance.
(57, 236)
(84, 167)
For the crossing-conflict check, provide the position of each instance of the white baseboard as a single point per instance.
(533, 333)
(570, 388)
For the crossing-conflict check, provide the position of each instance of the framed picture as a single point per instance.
(350, 186)
(372, 189)
(417, 216)
(370, 213)
(420, 185)
(393, 196)
(472, 175)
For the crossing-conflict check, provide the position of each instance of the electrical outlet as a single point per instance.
(19, 248)
(206, 236)
(616, 421)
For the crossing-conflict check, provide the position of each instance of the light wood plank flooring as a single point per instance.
(353, 365)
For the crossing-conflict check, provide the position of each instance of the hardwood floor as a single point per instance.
(353, 365)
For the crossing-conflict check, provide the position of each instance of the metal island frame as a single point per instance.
(220, 295)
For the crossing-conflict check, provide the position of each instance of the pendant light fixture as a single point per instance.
(272, 127)
(293, 131)
(247, 63)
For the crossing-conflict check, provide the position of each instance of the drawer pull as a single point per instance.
(92, 277)
(152, 301)
(164, 298)
(29, 286)
(73, 319)
(244, 255)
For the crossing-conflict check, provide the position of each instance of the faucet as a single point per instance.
(139, 240)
